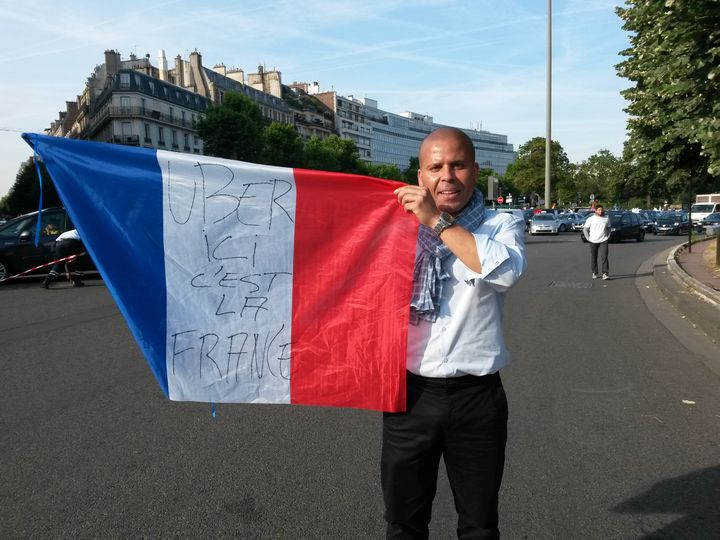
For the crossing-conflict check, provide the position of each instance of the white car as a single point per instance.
(544, 224)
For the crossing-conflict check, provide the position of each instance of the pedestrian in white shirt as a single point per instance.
(597, 232)
(68, 243)
(467, 258)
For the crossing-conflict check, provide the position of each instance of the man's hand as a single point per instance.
(419, 201)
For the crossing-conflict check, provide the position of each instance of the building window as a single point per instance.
(152, 86)
(174, 139)
(124, 104)
(147, 133)
(126, 128)
(161, 136)
(186, 138)
(196, 141)
(182, 115)
(142, 105)
(171, 114)
(124, 80)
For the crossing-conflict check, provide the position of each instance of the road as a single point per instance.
(614, 426)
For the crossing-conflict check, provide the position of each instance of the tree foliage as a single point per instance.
(283, 146)
(233, 130)
(600, 175)
(24, 195)
(674, 126)
(527, 173)
(333, 154)
(389, 172)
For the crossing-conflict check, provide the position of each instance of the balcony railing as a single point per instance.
(133, 140)
(135, 112)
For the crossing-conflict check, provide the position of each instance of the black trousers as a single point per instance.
(600, 249)
(464, 420)
(65, 248)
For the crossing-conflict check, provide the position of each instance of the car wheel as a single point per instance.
(4, 270)
(641, 236)
(561, 228)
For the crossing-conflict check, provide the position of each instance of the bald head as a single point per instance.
(444, 134)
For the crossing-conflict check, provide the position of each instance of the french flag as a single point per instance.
(247, 283)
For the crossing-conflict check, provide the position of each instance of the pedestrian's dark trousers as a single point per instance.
(462, 419)
(65, 248)
(601, 249)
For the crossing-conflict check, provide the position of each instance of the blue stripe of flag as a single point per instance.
(113, 195)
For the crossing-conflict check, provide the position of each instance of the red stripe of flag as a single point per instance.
(352, 280)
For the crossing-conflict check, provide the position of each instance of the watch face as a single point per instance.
(447, 218)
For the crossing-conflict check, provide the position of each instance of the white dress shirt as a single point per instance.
(72, 234)
(467, 337)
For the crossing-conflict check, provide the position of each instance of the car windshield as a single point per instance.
(714, 215)
(668, 216)
(702, 207)
(544, 217)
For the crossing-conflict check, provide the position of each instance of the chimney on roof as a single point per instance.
(162, 65)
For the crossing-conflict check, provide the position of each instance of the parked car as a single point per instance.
(710, 219)
(18, 252)
(544, 224)
(623, 225)
(578, 226)
(576, 221)
(564, 222)
(648, 217)
(672, 223)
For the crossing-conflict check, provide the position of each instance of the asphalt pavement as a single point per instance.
(614, 423)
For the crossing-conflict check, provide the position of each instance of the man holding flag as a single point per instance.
(466, 259)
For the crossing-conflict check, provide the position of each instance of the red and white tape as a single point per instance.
(64, 259)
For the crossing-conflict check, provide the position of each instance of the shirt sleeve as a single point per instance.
(501, 249)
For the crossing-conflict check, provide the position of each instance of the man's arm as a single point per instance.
(459, 240)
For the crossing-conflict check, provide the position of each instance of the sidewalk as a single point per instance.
(695, 264)
(691, 287)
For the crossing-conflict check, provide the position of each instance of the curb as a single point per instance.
(710, 295)
(694, 300)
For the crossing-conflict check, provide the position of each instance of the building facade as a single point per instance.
(135, 103)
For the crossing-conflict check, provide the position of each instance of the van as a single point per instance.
(701, 210)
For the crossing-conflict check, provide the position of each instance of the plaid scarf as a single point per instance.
(428, 275)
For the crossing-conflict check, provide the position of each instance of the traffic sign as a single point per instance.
(500, 199)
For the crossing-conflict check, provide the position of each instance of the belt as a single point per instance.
(453, 382)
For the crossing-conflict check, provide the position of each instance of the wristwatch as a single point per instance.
(444, 221)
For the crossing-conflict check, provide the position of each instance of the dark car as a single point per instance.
(648, 218)
(18, 251)
(710, 219)
(672, 223)
(623, 226)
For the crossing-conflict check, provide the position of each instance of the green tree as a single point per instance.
(527, 172)
(333, 154)
(389, 172)
(410, 174)
(283, 146)
(601, 175)
(674, 125)
(233, 130)
(24, 195)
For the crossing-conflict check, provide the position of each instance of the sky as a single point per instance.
(466, 63)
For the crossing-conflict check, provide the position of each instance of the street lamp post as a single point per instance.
(548, 105)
